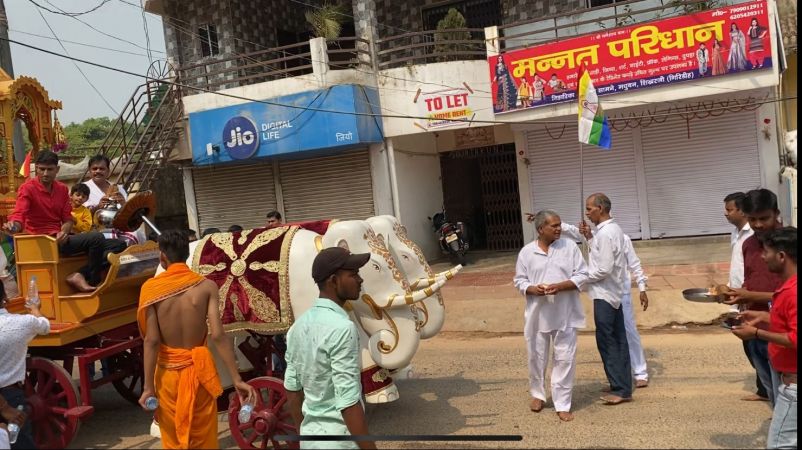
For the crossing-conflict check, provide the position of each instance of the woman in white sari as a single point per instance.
(99, 197)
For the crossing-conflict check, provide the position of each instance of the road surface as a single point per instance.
(477, 385)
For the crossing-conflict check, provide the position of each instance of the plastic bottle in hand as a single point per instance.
(32, 298)
(245, 413)
(151, 403)
(13, 428)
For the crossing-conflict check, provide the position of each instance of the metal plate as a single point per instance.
(700, 295)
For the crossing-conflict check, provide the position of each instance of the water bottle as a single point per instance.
(245, 413)
(13, 428)
(32, 298)
(151, 403)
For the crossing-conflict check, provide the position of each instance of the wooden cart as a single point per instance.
(84, 328)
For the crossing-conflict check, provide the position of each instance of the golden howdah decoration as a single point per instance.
(251, 270)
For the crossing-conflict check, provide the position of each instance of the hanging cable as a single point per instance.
(76, 65)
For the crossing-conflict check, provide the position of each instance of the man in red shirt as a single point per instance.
(760, 207)
(43, 207)
(780, 254)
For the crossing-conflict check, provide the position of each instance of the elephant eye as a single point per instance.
(377, 267)
(406, 257)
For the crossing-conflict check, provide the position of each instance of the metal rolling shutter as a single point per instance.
(230, 195)
(688, 178)
(327, 187)
(554, 175)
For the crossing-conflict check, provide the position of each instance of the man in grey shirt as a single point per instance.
(607, 279)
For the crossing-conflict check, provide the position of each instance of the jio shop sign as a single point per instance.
(337, 118)
(444, 108)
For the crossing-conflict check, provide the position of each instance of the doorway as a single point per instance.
(480, 188)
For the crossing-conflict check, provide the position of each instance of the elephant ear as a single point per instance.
(342, 243)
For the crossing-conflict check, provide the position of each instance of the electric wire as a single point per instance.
(353, 113)
(69, 14)
(83, 44)
(95, 29)
(67, 53)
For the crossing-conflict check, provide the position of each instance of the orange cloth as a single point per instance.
(186, 379)
(176, 279)
(187, 388)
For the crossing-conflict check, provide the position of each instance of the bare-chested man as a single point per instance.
(174, 310)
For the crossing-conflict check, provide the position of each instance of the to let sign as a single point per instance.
(445, 108)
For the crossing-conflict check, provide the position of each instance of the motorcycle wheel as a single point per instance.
(454, 249)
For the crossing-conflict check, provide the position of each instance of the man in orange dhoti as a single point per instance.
(174, 310)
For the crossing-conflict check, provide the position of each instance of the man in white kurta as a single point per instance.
(549, 273)
(636, 354)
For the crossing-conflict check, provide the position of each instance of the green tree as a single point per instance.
(449, 29)
(326, 21)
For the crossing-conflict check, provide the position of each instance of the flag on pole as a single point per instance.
(593, 126)
(25, 170)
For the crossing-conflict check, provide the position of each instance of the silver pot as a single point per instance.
(105, 216)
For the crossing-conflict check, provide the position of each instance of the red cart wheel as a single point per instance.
(51, 392)
(270, 417)
(131, 363)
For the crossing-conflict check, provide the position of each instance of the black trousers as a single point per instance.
(96, 247)
(611, 340)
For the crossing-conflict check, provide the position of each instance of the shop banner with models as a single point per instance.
(711, 43)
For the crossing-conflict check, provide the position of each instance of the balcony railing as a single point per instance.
(424, 47)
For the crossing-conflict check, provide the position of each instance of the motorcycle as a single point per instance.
(452, 237)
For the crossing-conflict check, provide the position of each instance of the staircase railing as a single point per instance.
(144, 134)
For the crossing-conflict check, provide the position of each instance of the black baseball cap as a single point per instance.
(332, 259)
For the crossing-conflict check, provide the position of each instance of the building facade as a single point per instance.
(432, 133)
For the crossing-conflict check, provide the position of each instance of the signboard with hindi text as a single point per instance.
(713, 43)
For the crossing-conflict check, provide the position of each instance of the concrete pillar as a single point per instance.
(492, 44)
(189, 195)
(320, 59)
(367, 28)
(380, 175)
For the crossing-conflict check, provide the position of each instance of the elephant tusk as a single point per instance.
(415, 297)
(426, 282)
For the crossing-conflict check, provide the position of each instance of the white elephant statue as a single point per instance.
(417, 270)
(398, 299)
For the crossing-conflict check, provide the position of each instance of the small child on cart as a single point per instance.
(80, 213)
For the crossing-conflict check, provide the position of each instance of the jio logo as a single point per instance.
(240, 137)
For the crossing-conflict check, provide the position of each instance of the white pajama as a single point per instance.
(556, 321)
(636, 356)
(563, 366)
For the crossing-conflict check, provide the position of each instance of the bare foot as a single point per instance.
(565, 416)
(536, 405)
(78, 282)
(754, 398)
(641, 383)
(615, 400)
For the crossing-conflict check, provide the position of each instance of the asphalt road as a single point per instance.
(477, 385)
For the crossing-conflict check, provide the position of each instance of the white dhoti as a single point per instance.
(563, 365)
(636, 356)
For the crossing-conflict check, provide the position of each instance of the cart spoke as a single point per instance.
(253, 437)
(245, 426)
(60, 423)
(44, 388)
(281, 401)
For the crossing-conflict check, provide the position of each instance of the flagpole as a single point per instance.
(581, 181)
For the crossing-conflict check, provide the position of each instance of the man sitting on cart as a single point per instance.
(43, 207)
